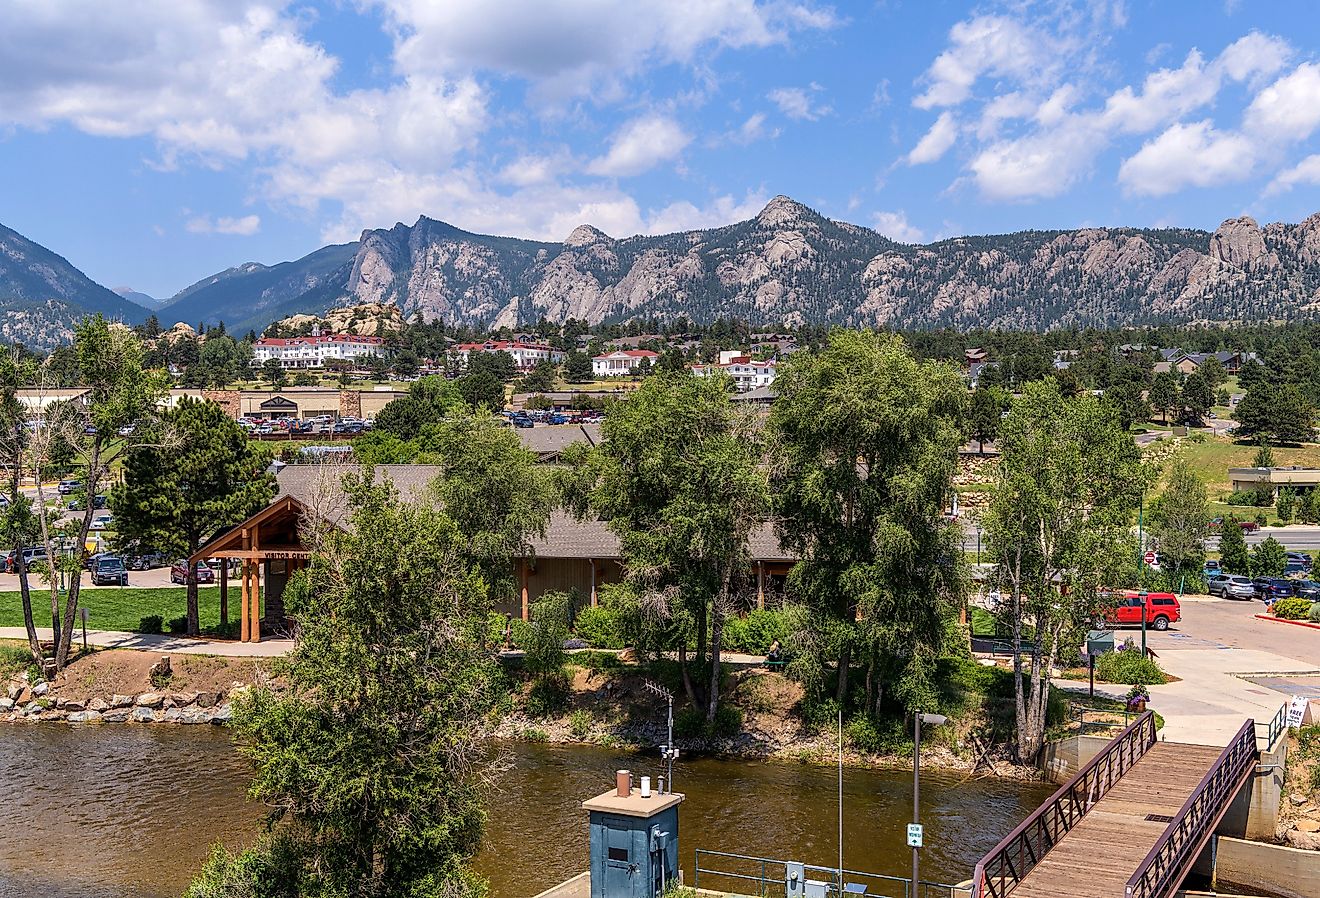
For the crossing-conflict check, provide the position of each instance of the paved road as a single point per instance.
(1303, 537)
(1217, 642)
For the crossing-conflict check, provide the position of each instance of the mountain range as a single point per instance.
(788, 264)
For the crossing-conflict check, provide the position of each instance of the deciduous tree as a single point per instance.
(1233, 557)
(1059, 524)
(868, 441)
(1181, 520)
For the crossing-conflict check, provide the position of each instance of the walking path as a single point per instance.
(115, 639)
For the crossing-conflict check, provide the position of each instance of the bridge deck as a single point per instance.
(1103, 850)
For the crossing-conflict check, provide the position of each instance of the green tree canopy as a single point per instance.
(185, 479)
(1163, 394)
(677, 479)
(1060, 516)
(1283, 414)
(984, 413)
(1233, 557)
(868, 440)
(1269, 558)
(428, 401)
(1181, 520)
(372, 756)
(577, 368)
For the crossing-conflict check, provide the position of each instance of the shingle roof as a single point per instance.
(555, 438)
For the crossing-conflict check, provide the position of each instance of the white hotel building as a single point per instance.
(313, 351)
(747, 373)
(525, 356)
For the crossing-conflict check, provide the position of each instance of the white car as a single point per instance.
(102, 522)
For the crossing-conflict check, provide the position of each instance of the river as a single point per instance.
(120, 811)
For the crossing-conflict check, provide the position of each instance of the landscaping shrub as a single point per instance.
(752, 635)
(601, 627)
(549, 695)
(1292, 608)
(543, 640)
(579, 724)
(1314, 615)
(690, 723)
(13, 658)
(886, 737)
(152, 623)
(178, 625)
(1129, 668)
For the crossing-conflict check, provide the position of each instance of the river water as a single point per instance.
(134, 810)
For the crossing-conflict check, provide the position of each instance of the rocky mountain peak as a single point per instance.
(585, 235)
(782, 212)
(1238, 242)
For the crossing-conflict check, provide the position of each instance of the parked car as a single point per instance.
(1301, 559)
(179, 573)
(31, 554)
(1270, 588)
(1161, 609)
(69, 486)
(102, 522)
(1210, 570)
(109, 570)
(1231, 586)
(1307, 589)
(76, 504)
(145, 561)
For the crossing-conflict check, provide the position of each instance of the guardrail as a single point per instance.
(1012, 859)
(1165, 866)
(1275, 728)
(768, 877)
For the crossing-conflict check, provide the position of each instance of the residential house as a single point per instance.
(621, 362)
(747, 373)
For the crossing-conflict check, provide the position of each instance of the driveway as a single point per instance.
(1219, 643)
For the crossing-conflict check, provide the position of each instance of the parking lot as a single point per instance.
(1210, 622)
(159, 577)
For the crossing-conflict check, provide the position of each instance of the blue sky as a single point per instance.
(153, 142)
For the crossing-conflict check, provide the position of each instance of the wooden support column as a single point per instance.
(526, 604)
(224, 594)
(245, 630)
(256, 589)
(760, 585)
(591, 563)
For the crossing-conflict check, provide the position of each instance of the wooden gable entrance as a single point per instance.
(269, 547)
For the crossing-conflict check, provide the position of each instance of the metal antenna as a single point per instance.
(667, 751)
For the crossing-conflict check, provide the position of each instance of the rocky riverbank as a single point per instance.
(130, 687)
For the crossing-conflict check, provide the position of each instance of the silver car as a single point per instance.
(1231, 586)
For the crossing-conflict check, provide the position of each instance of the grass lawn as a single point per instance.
(122, 608)
(1212, 459)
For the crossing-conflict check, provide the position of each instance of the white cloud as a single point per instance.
(984, 45)
(1305, 172)
(895, 226)
(799, 102)
(242, 227)
(569, 47)
(754, 129)
(936, 142)
(641, 145)
(1289, 109)
(685, 216)
(1188, 155)
(1042, 164)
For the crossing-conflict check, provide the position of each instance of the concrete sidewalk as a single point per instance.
(181, 645)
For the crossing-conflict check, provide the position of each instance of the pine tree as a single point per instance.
(1233, 557)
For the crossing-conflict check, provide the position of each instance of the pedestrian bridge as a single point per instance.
(1130, 824)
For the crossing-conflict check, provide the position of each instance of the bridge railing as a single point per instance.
(1173, 855)
(1021, 850)
(1275, 728)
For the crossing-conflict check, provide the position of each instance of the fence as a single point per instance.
(743, 874)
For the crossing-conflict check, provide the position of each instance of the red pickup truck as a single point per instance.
(1162, 609)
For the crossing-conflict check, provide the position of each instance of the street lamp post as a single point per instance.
(931, 720)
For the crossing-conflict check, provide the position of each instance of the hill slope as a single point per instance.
(42, 295)
(791, 264)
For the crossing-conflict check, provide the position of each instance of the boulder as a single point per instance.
(119, 715)
(1297, 798)
(150, 700)
(172, 715)
(70, 704)
(183, 699)
(223, 714)
(206, 699)
(41, 688)
(1306, 825)
(195, 716)
(99, 705)
(6, 704)
(23, 696)
(142, 715)
(1308, 841)
(84, 717)
(14, 690)
(121, 701)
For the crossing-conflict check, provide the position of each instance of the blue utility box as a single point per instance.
(634, 843)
